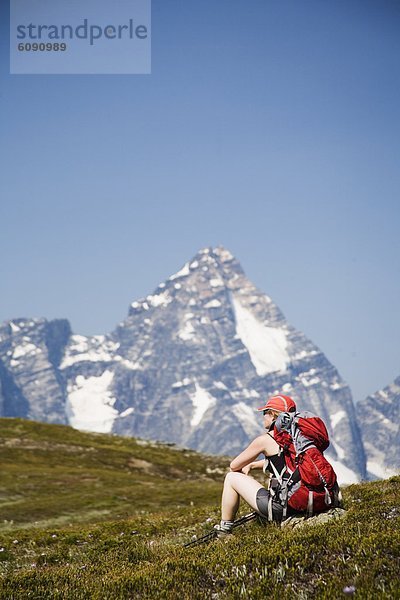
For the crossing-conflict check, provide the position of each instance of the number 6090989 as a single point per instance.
(42, 47)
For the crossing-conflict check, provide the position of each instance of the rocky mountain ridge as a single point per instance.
(188, 365)
(379, 416)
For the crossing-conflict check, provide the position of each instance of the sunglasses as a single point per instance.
(267, 411)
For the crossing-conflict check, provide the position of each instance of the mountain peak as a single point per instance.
(209, 273)
(219, 252)
(208, 260)
(200, 352)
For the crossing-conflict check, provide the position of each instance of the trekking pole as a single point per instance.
(213, 533)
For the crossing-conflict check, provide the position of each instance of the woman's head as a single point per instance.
(279, 403)
(274, 406)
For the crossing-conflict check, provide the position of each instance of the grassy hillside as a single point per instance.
(53, 474)
(112, 514)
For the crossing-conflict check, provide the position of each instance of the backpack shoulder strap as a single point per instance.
(300, 441)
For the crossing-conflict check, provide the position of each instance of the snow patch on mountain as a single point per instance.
(202, 401)
(220, 385)
(127, 412)
(247, 418)
(216, 282)
(339, 450)
(223, 254)
(345, 475)
(25, 349)
(187, 332)
(337, 385)
(90, 403)
(379, 470)
(178, 384)
(213, 304)
(182, 273)
(162, 299)
(337, 417)
(266, 345)
(92, 349)
(308, 378)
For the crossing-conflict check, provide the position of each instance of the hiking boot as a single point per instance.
(223, 529)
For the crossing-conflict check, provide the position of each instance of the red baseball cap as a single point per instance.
(280, 403)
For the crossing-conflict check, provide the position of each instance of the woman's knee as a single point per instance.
(232, 476)
(238, 481)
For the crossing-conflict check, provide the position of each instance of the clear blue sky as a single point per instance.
(269, 127)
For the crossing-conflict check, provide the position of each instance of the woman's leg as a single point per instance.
(238, 485)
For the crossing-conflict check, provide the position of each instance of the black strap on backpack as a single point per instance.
(281, 483)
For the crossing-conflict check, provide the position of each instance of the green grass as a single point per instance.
(127, 553)
(52, 474)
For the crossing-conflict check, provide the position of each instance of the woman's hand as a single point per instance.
(258, 464)
(247, 468)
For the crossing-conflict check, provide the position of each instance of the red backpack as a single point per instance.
(312, 484)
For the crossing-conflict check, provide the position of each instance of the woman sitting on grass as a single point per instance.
(272, 503)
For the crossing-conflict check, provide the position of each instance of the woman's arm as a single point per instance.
(258, 464)
(256, 447)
